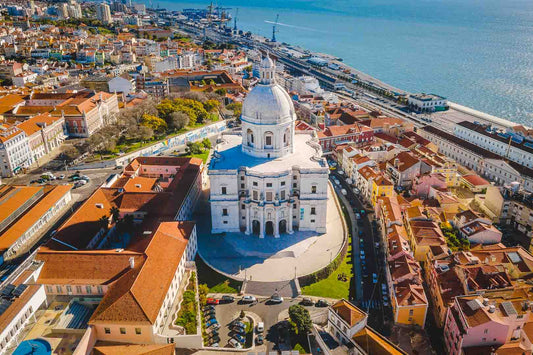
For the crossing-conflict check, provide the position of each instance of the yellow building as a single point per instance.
(381, 187)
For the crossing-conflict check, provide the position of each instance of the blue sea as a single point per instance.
(478, 53)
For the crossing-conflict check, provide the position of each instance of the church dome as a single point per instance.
(268, 104)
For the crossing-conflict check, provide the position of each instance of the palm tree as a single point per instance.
(115, 213)
(104, 222)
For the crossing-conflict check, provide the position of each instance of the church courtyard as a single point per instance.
(237, 255)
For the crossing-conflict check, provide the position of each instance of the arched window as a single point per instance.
(250, 138)
(286, 137)
(269, 137)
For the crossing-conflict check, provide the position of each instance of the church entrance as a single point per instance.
(282, 226)
(269, 228)
(256, 227)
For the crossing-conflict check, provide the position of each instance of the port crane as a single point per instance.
(274, 30)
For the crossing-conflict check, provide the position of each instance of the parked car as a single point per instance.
(248, 299)
(211, 322)
(209, 307)
(214, 345)
(209, 312)
(260, 327)
(356, 191)
(343, 191)
(212, 301)
(384, 289)
(306, 301)
(227, 298)
(213, 333)
(357, 216)
(234, 343)
(239, 338)
(61, 177)
(214, 339)
(237, 330)
(210, 318)
(85, 177)
(322, 303)
(276, 298)
(362, 253)
(374, 278)
(259, 340)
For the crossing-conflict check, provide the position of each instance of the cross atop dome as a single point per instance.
(267, 70)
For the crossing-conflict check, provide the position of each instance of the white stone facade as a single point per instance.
(269, 181)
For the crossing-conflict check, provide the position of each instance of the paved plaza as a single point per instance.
(238, 255)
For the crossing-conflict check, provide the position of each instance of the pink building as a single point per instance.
(474, 323)
(424, 183)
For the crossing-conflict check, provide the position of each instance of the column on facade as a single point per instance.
(289, 222)
(248, 222)
(262, 227)
(276, 224)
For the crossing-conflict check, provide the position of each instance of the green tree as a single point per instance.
(221, 92)
(300, 316)
(236, 107)
(206, 143)
(155, 123)
(194, 148)
(115, 213)
(211, 105)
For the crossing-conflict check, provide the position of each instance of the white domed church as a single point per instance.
(269, 180)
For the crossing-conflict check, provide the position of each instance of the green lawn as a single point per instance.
(331, 287)
(202, 156)
(216, 282)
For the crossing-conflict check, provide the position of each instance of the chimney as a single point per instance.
(492, 308)
(485, 301)
(396, 163)
(132, 262)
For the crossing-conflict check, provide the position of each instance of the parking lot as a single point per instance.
(261, 310)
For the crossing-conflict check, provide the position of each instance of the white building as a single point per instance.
(426, 102)
(20, 312)
(269, 180)
(508, 145)
(15, 151)
(103, 13)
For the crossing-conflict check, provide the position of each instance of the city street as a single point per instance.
(373, 263)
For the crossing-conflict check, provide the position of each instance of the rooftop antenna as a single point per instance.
(274, 29)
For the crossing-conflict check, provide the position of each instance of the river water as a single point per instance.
(478, 53)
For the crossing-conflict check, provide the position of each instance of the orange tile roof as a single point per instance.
(476, 180)
(375, 344)
(23, 224)
(95, 267)
(138, 296)
(82, 226)
(12, 197)
(347, 311)
(134, 349)
(7, 317)
(8, 131)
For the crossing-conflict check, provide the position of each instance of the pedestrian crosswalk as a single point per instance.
(370, 304)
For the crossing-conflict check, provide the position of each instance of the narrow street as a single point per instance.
(365, 240)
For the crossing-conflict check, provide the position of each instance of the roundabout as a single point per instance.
(240, 256)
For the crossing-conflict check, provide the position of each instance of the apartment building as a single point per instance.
(151, 188)
(509, 145)
(481, 160)
(333, 136)
(15, 151)
(500, 323)
(403, 272)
